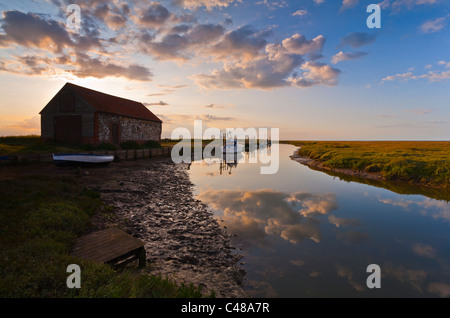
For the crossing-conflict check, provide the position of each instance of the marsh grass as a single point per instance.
(40, 218)
(425, 162)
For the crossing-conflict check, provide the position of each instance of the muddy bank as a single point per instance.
(153, 201)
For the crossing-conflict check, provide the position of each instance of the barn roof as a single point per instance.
(112, 104)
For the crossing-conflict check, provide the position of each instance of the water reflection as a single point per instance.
(304, 233)
(253, 215)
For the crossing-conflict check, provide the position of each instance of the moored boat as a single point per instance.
(79, 158)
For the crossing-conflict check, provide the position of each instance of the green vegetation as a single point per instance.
(40, 218)
(152, 144)
(130, 145)
(33, 144)
(424, 162)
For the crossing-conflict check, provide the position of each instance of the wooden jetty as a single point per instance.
(111, 246)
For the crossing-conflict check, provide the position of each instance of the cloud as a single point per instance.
(261, 72)
(433, 25)
(341, 56)
(420, 111)
(400, 76)
(343, 222)
(160, 103)
(298, 44)
(214, 106)
(319, 1)
(243, 42)
(441, 289)
(405, 275)
(346, 4)
(317, 74)
(398, 5)
(277, 65)
(153, 15)
(29, 126)
(424, 250)
(32, 30)
(347, 273)
(208, 4)
(358, 39)
(300, 13)
(94, 67)
(432, 76)
(272, 5)
(182, 46)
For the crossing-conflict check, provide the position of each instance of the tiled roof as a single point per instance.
(112, 104)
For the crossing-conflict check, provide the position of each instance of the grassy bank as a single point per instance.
(424, 162)
(40, 218)
(13, 145)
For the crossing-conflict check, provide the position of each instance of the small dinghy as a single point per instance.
(233, 148)
(82, 159)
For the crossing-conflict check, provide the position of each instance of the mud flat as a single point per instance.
(153, 200)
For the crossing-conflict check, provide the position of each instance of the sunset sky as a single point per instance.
(311, 68)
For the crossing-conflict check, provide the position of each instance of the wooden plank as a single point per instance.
(109, 245)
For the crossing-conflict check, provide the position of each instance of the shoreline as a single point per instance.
(153, 200)
(318, 165)
(375, 179)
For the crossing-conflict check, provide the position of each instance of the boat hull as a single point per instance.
(82, 159)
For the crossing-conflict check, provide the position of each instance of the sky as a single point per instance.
(312, 68)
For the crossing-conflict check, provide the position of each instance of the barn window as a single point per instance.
(67, 103)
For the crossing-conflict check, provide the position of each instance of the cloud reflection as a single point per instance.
(434, 208)
(253, 215)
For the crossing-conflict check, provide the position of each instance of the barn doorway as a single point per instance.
(68, 129)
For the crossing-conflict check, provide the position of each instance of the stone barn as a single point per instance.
(80, 115)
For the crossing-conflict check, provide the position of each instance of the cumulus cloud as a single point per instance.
(33, 30)
(358, 39)
(183, 46)
(88, 66)
(317, 74)
(341, 56)
(277, 65)
(153, 15)
(298, 44)
(243, 42)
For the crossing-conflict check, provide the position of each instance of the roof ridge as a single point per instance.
(112, 104)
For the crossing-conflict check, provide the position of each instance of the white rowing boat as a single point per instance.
(232, 148)
(76, 158)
